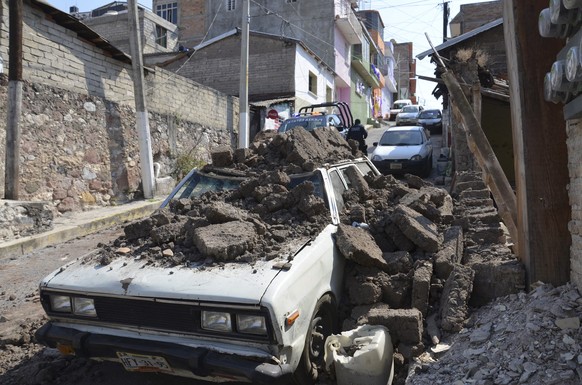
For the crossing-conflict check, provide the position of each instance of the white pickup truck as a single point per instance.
(264, 322)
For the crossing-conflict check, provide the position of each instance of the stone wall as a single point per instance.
(78, 143)
(574, 143)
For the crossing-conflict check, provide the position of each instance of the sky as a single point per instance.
(404, 21)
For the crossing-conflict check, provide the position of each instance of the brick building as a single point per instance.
(472, 16)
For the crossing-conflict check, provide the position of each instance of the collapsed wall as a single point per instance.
(417, 257)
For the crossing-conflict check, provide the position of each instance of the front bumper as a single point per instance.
(200, 362)
(399, 166)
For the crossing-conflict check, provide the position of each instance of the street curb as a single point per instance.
(65, 232)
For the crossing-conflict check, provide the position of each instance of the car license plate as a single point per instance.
(140, 363)
(396, 166)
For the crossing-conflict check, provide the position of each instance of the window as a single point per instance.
(338, 189)
(168, 12)
(161, 36)
(312, 83)
(230, 5)
(328, 94)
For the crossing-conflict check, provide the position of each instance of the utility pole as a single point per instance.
(445, 19)
(12, 171)
(142, 121)
(243, 132)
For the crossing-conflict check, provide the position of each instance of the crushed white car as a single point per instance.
(218, 315)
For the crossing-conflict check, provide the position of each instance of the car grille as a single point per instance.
(159, 315)
(163, 315)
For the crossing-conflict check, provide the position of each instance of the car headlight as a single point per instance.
(216, 321)
(251, 324)
(84, 307)
(416, 158)
(60, 303)
(376, 158)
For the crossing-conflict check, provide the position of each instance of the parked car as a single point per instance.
(331, 114)
(311, 122)
(408, 115)
(401, 150)
(431, 120)
(397, 107)
(263, 322)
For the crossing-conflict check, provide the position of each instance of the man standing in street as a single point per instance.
(358, 132)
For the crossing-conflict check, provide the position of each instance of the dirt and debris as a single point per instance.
(532, 338)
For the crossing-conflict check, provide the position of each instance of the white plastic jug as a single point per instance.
(361, 356)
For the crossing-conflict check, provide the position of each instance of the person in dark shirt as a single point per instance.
(358, 132)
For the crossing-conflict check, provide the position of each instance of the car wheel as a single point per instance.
(428, 166)
(323, 324)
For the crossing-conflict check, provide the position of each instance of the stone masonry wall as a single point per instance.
(574, 143)
(78, 143)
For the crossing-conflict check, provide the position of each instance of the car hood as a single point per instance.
(126, 276)
(397, 152)
(429, 120)
(408, 115)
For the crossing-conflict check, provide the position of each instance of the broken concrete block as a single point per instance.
(420, 230)
(404, 325)
(413, 197)
(357, 244)
(222, 156)
(358, 214)
(221, 212)
(496, 278)
(455, 298)
(475, 194)
(225, 241)
(437, 195)
(398, 262)
(362, 290)
(450, 253)
(421, 286)
(398, 237)
(358, 183)
(396, 290)
(166, 233)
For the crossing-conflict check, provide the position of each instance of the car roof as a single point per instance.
(405, 128)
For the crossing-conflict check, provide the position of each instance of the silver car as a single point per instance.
(408, 116)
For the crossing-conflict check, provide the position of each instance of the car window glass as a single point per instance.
(198, 184)
(410, 109)
(338, 189)
(401, 138)
(364, 168)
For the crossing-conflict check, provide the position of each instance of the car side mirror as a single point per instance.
(375, 144)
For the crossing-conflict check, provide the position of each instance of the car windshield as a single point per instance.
(198, 183)
(401, 138)
(429, 115)
(410, 109)
(309, 123)
(399, 105)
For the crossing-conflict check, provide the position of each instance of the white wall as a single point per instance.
(305, 63)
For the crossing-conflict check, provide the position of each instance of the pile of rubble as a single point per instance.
(532, 338)
(418, 257)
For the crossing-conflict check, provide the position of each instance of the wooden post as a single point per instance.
(12, 170)
(493, 173)
(539, 140)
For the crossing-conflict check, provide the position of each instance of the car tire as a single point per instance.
(428, 167)
(323, 323)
